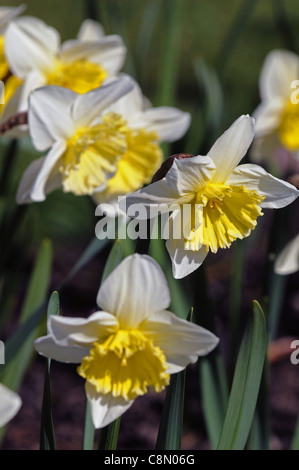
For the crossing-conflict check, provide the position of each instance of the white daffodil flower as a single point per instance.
(95, 137)
(277, 116)
(133, 344)
(10, 403)
(287, 261)
(225, 199)
(7, 14)
(147, 127)
(36, 56)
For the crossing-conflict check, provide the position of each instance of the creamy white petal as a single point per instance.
(9, 13)
(231, 147)
(280, 68)
(105, 408)
(183, 179)
(131, 103)
(46, 346)
(30, 44)
(88, 107)
(109, 52)
(181, 341)
(68, 331)
(134, 290)
(28, 178)
(287, 261)
(268, 116)
(169, 123)
(10, 403)
(37, 192)
(184, 262)
(90, 30)
(278, 193)
(50, 117)
(35, 79)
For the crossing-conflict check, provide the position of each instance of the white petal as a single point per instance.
(34, 79)
(47, 347)
(105, 408)
(278, 193)
(39, 175)
(231, 147)
(134, 290)
(90, 30)
(30, 44)
(88, 107)
(180, 340)
(7, 14)
(109, 52)
(10, 403)
(287, 261)
(24, 190)
(268, 116)
(183, 179)
(68, 331)
(170, 124)
(49, 115)
(131, 103)
(280, 68)
(184, 262)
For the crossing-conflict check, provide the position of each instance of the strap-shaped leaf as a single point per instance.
(246, 383)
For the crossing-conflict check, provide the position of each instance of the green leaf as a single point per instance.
(214, 393)
(23, 351)
(171, 424)
(246, 384)
(47, 435)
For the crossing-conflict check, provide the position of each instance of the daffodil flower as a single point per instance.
(225, 199)
(93, 138)
(37, 57)
(10, 403)
(133, 344)
(287, 262)
(7, 14)
(277, 116)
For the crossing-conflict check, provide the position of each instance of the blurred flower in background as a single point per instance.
(287, 261)
(11, 82)
(101, 142)
(10, 403)
(277, 116)
(35, 56)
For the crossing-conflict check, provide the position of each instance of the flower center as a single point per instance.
(141, 160)
(289, 127)
(228, 212)
(92, 155)
(80, 76)
(125, 364)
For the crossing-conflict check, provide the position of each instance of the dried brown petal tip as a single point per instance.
(167, 164)
(294, 180)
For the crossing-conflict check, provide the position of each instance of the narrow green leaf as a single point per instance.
(115, 257)
(88, 431)
(47, 434)
(295, 441)
(246, 384)
(214, 393)
(36, 294)
(109, 436)
(171, 424)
